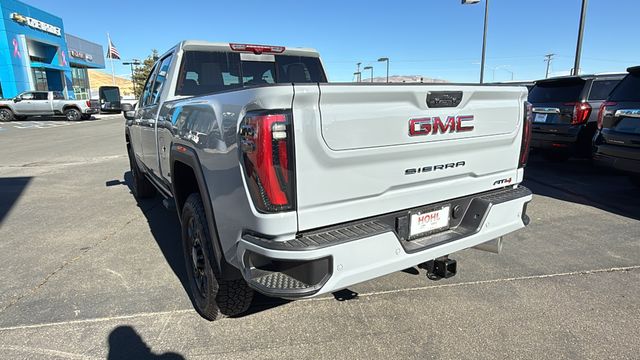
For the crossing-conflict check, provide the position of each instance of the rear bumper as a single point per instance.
(559, 137)
(604, 157)
(341, 256)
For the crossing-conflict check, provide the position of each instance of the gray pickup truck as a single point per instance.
(46, 103)
(291, 186)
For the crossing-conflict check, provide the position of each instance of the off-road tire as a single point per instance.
(214, 298)
(6, 115)
(141, 187)
(72, 114)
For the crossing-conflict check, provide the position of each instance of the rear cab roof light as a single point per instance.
(258, 49)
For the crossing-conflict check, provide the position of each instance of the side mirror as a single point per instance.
(17, 99)
(128, 111)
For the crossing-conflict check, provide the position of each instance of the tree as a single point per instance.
(141, 73)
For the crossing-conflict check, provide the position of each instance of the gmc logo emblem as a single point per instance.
(434, 125)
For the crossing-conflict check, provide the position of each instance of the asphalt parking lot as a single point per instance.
(87, 272)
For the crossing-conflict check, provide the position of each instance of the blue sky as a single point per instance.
(433, 38)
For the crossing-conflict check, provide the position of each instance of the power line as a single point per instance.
(548, 58)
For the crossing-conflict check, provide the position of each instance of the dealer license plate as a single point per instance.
(540, 118)
(429, 222)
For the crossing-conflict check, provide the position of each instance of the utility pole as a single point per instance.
(583, 15)
(359, 73)
(547, 59)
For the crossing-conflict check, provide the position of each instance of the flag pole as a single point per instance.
(113, 73)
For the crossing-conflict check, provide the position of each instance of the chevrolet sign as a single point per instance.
(36, 24)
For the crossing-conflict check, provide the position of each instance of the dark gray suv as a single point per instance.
(565, 113)
(617, 141)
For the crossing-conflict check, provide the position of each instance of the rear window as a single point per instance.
(600, 89)
(203, 72)
(556, 91)
(628, 89)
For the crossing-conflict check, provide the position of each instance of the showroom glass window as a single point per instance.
(40, 78)
(80, 79)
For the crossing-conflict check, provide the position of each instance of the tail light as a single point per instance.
(88, 103)
(257, 49)
(581, 112)
(526, 134)
(603, 110)
(266, 144)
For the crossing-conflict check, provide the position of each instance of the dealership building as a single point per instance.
(36, 53)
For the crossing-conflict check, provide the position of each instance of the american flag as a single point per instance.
(112, 53)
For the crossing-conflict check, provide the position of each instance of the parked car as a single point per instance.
(294, 187)
(46, 103)
(564, 119)
(616, 144)
(110, 100)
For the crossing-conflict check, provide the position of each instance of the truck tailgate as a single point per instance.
(364, 150)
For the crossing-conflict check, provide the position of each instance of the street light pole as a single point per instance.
(484, 39)
(484, 34)
(583, 15)
(131, 63)
(387, 61)
(369, 68)
(358, 72)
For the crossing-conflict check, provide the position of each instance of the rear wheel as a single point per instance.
(6, 114)
(213, 297)
(141, 186)
(73, 114)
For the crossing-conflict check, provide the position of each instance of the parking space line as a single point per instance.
(96, 320)
(187, 311)
(482, 282)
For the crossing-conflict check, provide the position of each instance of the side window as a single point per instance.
(144, 100)
(57, 95)
(600, 89)
(160, 80)
(41, 96)
(27, 96)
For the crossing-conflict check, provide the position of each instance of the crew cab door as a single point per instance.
(42, 103)
(25, 104)
(149, 115)
(136, 124)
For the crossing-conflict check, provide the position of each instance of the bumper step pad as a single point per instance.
(280, 281)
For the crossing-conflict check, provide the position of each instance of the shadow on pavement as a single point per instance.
(165, 228)
(125, 343)
(11, 188)
(578, 181)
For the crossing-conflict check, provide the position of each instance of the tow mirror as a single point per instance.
(128, 111)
